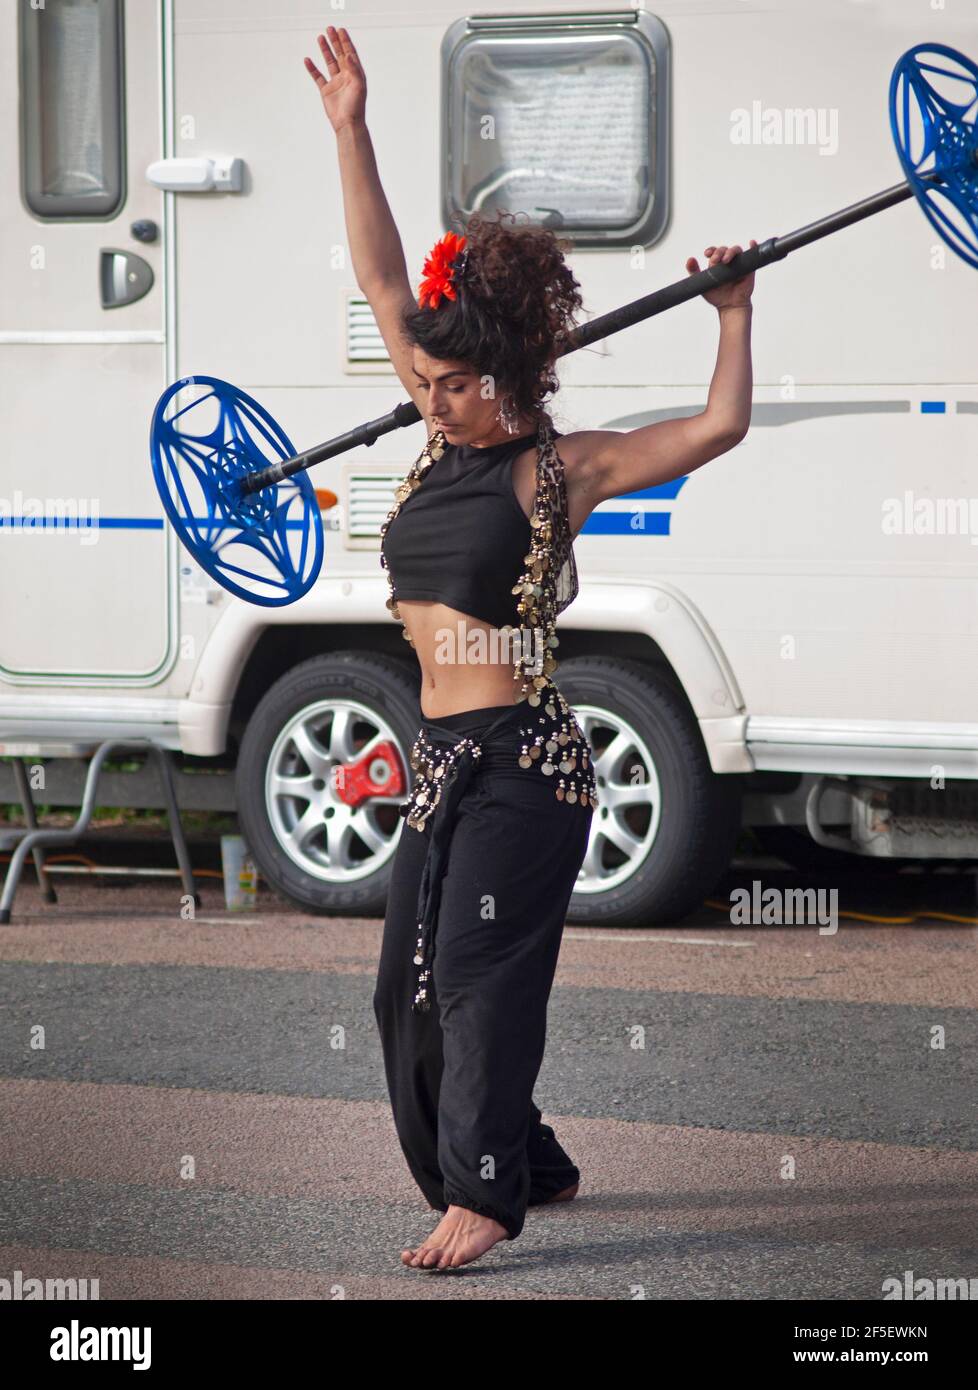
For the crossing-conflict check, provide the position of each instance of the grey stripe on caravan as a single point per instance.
(92, 335)
(776, 412)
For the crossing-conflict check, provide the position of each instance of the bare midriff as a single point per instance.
(486, 678)
(459, 671)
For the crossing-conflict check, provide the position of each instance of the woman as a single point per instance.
(478, 550)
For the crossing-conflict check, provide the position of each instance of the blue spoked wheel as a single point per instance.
(933, 106)
(265, 547)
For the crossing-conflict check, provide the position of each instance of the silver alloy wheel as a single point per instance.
(626, 820)
(317, 829)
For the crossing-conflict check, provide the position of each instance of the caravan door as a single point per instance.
(83, 550)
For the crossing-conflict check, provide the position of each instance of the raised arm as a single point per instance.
(374, 241)
(372, 235)
(619, 463)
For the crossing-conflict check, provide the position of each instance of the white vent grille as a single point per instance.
(364, 343)
(371, 496)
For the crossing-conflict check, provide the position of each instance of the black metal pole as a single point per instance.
(755, 258)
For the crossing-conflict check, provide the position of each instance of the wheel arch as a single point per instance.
(653, 623)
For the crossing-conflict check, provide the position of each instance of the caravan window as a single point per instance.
(72, 109)
(564, 119)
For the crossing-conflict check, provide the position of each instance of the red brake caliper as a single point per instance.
(379, 772)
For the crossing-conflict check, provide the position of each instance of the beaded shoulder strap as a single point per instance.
(550, 580)
(548, 584)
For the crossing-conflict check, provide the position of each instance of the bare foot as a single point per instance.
(460, 1236)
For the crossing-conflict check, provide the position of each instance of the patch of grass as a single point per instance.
(136, 818)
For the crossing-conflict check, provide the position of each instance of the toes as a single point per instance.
(416, 1258)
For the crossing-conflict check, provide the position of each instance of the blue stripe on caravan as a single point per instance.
(638, 521)
(663, 492)
(932, 407)
(106, 523)
(635, 523)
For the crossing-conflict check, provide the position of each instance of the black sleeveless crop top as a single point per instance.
(461, 539)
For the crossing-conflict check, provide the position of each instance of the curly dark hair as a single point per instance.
(514, 307)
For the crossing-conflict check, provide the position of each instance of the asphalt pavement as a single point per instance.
(196, 1109)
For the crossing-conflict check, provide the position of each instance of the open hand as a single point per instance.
(345, 94)
(735, 291)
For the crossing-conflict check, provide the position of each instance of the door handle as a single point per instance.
(123, 277)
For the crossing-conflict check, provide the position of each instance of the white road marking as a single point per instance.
(653, 940)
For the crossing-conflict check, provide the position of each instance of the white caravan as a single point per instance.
(787, 639)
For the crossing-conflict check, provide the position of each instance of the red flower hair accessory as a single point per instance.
(439, 275)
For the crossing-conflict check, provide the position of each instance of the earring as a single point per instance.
(508, 416)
